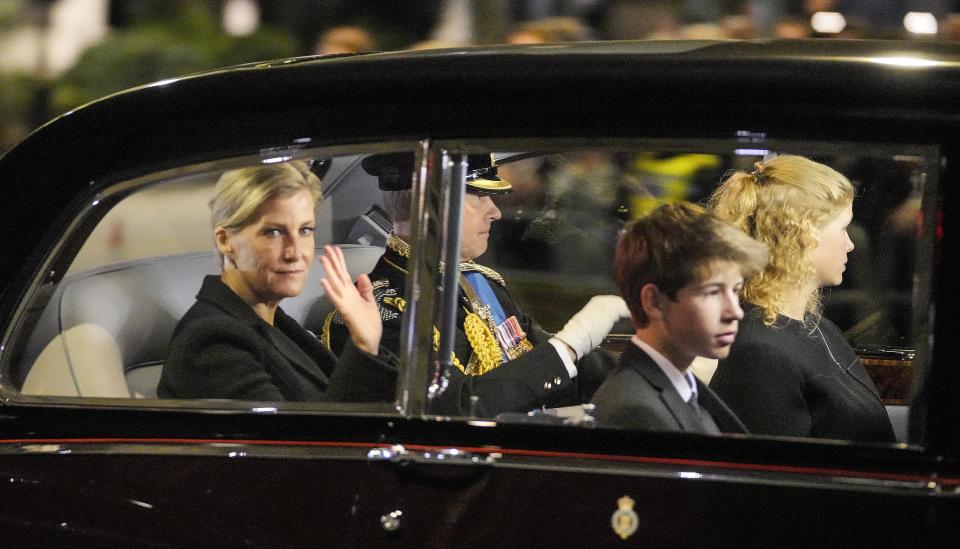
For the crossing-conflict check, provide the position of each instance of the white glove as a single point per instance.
(586, 329)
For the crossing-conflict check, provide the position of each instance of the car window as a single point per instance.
(133, 263)
(158, 220)
(554, 239)
(562, 221)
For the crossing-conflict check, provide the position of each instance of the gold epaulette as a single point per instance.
(398, 245)
(485, 271)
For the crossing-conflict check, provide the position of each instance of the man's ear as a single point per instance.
(651, 299)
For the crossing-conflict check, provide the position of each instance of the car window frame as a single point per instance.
(78, 222)
(431, 205)
(435, 183)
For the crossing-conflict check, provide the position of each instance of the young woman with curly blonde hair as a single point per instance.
(790, 372)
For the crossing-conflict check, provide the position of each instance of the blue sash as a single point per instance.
(485, 293)
(509, 334)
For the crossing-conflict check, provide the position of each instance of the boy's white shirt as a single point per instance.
(680, 380)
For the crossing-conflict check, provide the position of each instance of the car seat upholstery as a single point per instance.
(84, 359)
(105, 332)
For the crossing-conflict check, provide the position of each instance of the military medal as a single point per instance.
(512, 338)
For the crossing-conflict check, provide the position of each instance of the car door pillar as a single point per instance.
(416, 333)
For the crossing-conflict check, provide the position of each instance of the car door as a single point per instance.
(467, 481)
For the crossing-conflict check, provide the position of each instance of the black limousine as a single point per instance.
(107, 239)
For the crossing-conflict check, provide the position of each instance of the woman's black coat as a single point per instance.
(222, 349)
(783, 380)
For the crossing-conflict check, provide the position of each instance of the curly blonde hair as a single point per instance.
(782, 203)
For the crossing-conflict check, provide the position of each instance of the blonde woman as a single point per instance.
(236, 341)
(790, 371)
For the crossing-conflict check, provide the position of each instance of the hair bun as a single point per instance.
(757, 173)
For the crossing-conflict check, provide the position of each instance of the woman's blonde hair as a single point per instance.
(782, 203)
(239, 193)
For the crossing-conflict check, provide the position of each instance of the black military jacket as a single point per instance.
(535, 377)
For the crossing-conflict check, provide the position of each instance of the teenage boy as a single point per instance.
(680, 270)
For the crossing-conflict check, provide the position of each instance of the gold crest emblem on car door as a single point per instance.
(624, 520)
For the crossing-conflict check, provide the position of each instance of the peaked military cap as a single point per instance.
(394, 172)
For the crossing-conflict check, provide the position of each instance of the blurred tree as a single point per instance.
(395, 24)
(20, 93)
(12, 13)
(157, 39)
(17, 93)
(163, 45)
(124, 14)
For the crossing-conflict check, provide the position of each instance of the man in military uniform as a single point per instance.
(502, 358)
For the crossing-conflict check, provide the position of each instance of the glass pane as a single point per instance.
(162, 219)
(554, 236)
(146, 254)
(145, 249)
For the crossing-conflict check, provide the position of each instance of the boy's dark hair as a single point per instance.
(674, 246)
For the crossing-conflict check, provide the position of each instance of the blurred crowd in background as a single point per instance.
(56, 55)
